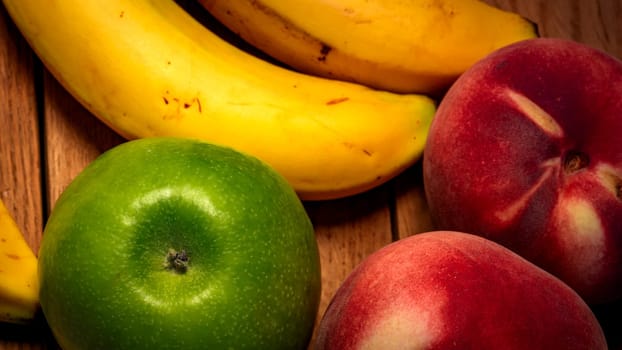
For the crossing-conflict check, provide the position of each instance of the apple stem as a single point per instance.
(177, 261)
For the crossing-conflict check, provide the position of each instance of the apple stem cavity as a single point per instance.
(575, 161)
(177, 261)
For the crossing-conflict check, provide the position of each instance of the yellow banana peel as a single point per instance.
(19, 285)
(148, 68)
(405, 46)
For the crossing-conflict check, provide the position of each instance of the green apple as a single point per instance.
(166, 243)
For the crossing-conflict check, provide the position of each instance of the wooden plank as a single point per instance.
(347, 230)
(20, 170)
(73, 135)
(595, 23)
(20, 173)
(411, 209)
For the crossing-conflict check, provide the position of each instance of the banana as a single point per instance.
(148, 68)
(19, 285)
(416, 46)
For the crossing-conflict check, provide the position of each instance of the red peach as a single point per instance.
(526, 150)
(452, 290)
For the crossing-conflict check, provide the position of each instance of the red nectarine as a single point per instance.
(452, 290)
(526, 150)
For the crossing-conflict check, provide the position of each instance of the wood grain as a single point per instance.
(77, 136)
(347, 230)
(47, 138)
(20, 158)
(20, 172)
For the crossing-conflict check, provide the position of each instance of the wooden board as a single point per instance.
(46, 138)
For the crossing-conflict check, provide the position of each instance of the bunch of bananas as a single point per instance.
(352, 112)
(149, 68)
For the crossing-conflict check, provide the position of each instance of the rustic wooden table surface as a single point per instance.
(47, 138)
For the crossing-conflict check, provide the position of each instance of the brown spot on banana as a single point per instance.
(297, 32)
(324, 51)
(179, 105)
(337, 100)
(353, 146)
(12, 256)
